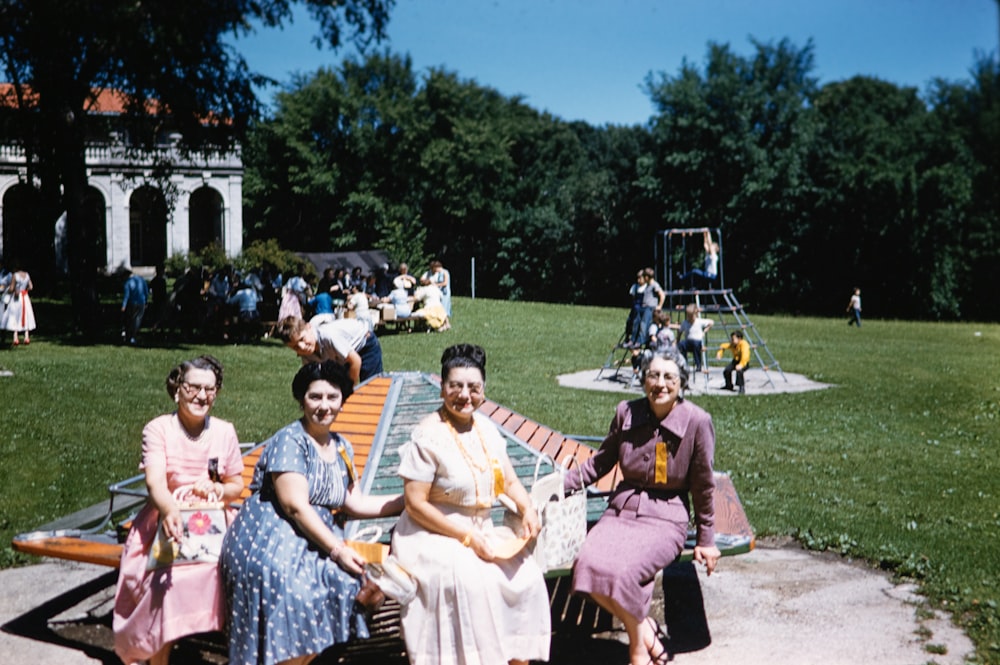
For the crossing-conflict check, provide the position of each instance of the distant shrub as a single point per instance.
(213, 257)
(258, 254)
(177, 264)
(261, 253)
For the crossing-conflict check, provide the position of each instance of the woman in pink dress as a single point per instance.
(154, 608)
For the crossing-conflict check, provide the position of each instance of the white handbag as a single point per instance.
(563, 517)
(394, 580)
(205, 524)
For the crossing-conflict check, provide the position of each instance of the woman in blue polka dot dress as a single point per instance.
(290, 579)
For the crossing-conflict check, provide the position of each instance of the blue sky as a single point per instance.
(587, 59)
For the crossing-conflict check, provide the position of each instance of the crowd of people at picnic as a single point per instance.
(286, 585)
(240, 306)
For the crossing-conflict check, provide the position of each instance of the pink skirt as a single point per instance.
(623, 553)
(156, 607)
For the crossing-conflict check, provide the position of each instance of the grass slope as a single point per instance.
(896, 464)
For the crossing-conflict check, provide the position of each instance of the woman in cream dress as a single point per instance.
(472, 606)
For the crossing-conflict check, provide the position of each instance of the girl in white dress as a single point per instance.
(19, 316)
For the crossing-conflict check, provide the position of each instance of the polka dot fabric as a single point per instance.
(286, 599)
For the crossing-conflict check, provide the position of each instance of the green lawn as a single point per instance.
(896, 464)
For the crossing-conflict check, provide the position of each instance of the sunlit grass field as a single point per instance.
(896, 464)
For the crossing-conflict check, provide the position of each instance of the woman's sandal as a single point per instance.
(663, 657)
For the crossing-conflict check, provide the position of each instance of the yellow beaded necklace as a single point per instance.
(475, 467)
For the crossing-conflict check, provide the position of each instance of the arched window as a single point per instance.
(205, 219)
(95, 208)
(20, 218)
(147, 218)
(20, 204)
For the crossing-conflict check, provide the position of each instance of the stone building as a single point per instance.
(146, 217)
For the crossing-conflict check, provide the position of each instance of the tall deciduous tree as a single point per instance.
(335, 167)
(59, 53)
(732, 152)
(866, 169)
(967, 118)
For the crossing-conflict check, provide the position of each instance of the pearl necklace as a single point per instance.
(476, 468)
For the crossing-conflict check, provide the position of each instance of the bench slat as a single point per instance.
(103, 553)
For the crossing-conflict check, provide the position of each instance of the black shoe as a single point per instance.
(728, 387)
(743, 390)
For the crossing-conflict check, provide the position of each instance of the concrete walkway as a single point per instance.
(778, 605)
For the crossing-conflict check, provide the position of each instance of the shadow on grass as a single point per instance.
(57, 325)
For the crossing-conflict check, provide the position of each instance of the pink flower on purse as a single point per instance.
(199, 524)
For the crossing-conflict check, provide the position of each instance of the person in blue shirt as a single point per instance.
(134, 305)
(245, 299)
(321, 303)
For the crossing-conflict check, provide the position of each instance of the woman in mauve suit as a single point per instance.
(664, 446)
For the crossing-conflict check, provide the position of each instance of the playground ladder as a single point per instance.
(728, 314)
(619, 356)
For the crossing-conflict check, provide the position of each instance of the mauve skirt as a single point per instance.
(623, 553)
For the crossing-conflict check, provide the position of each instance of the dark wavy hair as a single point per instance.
(669, 353)
(463, 355)
(177, 374)
(330, 371)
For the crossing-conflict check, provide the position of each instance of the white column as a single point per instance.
(179, 224)
(233, 216)
(118, 234)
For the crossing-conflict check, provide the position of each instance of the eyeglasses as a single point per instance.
(193, 389)
(457, 386)
(667, 377)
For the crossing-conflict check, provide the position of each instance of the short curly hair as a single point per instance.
(176, 376)
(330, 371)
(668, 353)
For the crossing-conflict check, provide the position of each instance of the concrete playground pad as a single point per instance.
(710, 382)
(778, 605)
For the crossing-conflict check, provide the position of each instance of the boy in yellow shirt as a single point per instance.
(740, 349)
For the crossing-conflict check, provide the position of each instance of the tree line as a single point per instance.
(816, 188)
